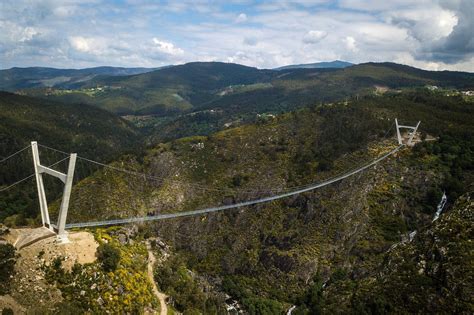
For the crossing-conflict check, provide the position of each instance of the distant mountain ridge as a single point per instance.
(338, 64)
(237, 89)
(36, 77)
(385, 256)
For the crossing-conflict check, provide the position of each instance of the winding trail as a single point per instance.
(161, 296)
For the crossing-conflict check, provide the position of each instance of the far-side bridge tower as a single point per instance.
(411, 134)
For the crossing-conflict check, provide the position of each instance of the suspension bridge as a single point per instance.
(67, 178)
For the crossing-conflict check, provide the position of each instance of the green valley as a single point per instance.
(344, 248)
(275, 255)
(275, 157)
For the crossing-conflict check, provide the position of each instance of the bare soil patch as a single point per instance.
(30, 289)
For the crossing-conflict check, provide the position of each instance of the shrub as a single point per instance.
(7, 311)
(324, 165)
(261, 306)
(454, 187)
(7, 265)
(239, 179)
(312, 301)
(109, 256)
(338, 275)
(68, 307)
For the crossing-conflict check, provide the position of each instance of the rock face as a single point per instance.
(276, 249)
(432, 274)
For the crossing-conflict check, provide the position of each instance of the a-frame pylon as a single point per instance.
(412, 135)
(66, 179)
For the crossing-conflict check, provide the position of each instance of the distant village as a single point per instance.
(451, 92)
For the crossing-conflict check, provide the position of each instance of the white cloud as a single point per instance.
(65, 11)
(379, 5)
(242, 17)
(425, 25)
(89, 45)
(350, 43)
(27, 34)
(80, 43)
(250, 41)
(313, 37)
(166, 47)
(433, 34)
(381, 37)
(14, 33)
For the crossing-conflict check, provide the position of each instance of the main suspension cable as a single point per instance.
(13, 154)
(30, 176)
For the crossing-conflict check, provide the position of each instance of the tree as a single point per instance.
(315, 298)
(261, 306)
(7, 311)
(109, 256)
(7, 265)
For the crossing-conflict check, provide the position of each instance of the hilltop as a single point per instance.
(318, 65)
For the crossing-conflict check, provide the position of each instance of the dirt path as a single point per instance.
(158, 294)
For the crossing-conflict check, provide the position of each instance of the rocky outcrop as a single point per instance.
(431, 274)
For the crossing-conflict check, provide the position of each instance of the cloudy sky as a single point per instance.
(430, 34)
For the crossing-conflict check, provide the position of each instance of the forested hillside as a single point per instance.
(211, 157)
(323, 251)
(36, 77)
(240, 90)
(431, 273)
(164, 92)
(271, 256)
(88, 130)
